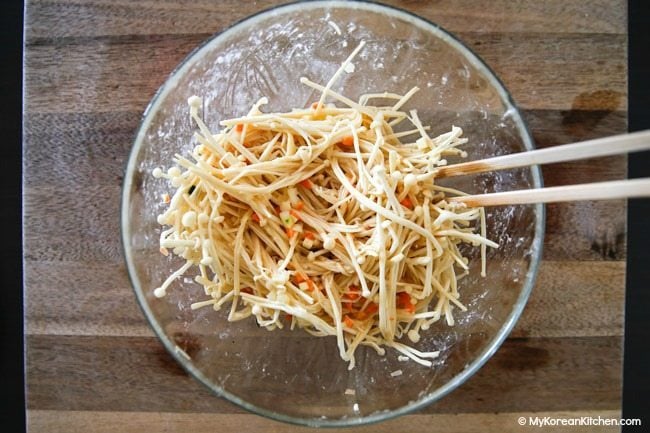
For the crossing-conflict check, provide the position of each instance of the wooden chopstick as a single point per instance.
(614, 145)
(587, 191)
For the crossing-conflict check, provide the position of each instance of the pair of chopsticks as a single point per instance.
(614, 145)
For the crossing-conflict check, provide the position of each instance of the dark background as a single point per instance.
(12, 390)
(636, 377)
(636, 381)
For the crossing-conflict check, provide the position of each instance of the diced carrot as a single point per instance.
(290, 233)
(406, 202)
(348, 140)
(299, 205)
(239, 127)
(299, 278)
(403, 298)
(371, 308)
(306, 184)
(311, 285)
(255, 217)
(353, 293)
(295, 214)
(288, 317)
(246, 290)
(309, 235)
(404, 301)
(410, 308)
(348, 321)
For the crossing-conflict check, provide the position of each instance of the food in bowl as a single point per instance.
(290, 375)
(326, 218)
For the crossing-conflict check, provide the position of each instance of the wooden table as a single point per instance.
(93, 364)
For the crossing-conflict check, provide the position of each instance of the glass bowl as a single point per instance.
(290, 375)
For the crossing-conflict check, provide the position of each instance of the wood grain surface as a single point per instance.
(93, 364)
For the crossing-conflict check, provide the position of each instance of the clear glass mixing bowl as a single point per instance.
(292, 376)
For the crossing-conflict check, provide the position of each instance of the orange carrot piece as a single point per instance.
(403, 299)
(309, 235)
(255, 217)
(353, 293)
(348, 321)
(371, 308)
(348, 140)
(239, 127)
(361, 315)
(299, 205)
(406, 202)
(295, 214)
(306, 183)
(404, 302)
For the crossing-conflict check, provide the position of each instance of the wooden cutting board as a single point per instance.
(93, 364)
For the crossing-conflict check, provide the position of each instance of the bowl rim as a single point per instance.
(537, 244)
